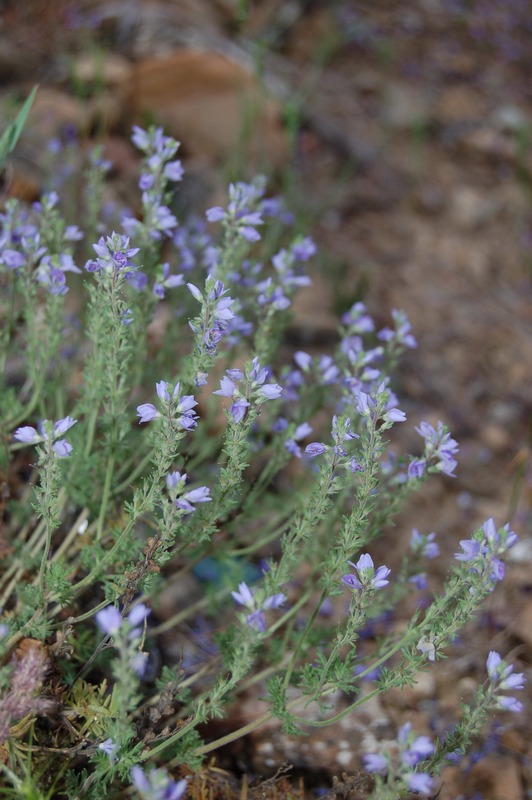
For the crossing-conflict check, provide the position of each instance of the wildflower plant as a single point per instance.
(178, 455)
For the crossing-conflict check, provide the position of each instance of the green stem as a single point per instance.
(105, 497)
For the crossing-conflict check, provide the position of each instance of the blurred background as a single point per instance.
(400, 134)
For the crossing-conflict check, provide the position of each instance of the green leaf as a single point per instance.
(13, 131)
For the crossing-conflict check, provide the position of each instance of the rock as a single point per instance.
(215, 106)
(510, 119)
(54, 111)
(470, 209)
(406, 106)
(313, 308)
(110, 70)
(498, 778)
(408, 697)
(333, 748)
(489, 143)
(459, 104)
(522, 624)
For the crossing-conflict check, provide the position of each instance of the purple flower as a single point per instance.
(510, 704)
(113, 254)
(48, 433)
(109, 620)
(440, 448)
(215, 214)
(270, 391)
(157, 785)
(228, 387)
(394, 415)
(367, 576)
(303, 249)
(315, 449)
(12, 259)
(62, 448)
(27, 435)
(303, 360)
(147, 412)
(109, 748)
(501, 673)
(62, 426)
(173, 479)
(138, 615)
(401, 335)
(417, 750)
(375, 762)
(186, 501)
(416, 468)
(238, 409)
(174, 171)
(482, 550)
(199, 495)
(425, 545)
(419, 782)
(246, 597)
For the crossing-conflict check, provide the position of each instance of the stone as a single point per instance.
(214, 105)
(406, 106)
(459, 104)
(470, 208)
(52, 112)
(522, 624)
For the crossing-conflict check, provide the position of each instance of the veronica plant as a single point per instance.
(194, 452)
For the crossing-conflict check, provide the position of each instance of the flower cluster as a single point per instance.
(367, 577)
(254, 391)
(49, 433)
(503, 678)
(113, 255)
(341, 432)
(179, 410)
(186, 501)
(399, 763)
(215, 312)
(399, 336)
(482, 550)
(241, 215)
(440, 450)
(158, 169)
(246, 597)
(289, 276)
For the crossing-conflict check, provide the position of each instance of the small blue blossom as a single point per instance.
(367, 577)
(109, 748)
(186, 501)
(400, 765)
(315, 449)
(113, 254)
(110, 621)
(503, 678)
(424, 544)
(440, 449)
(48, 432)
(176, 408)
(157, 785)
(482, 551)
(246, 597)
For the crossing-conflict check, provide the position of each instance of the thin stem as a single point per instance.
(105, 497)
